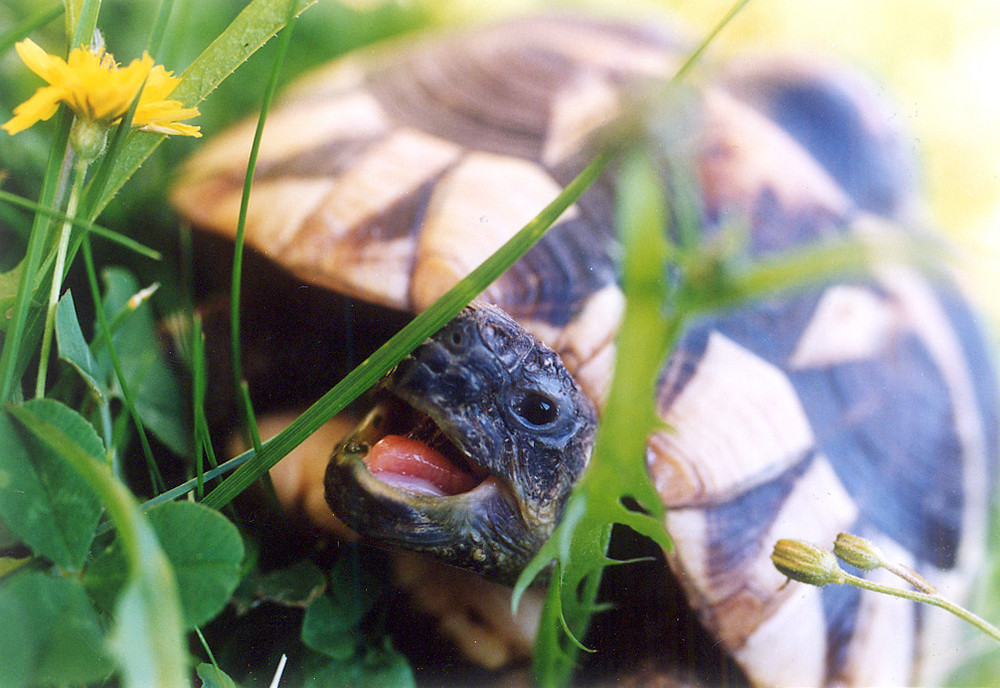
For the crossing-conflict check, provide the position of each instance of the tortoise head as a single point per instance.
(471, 450)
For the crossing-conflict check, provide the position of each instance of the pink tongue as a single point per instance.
(413, 466)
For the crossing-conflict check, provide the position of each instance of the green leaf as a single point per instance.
(617, 469)
(205, 550)
(156, 392)
(105, 575)
(332, 624)
(7, 538)
(296, 586)
(137, 634)
(377, 667)
(148, 636)
(17, 641)
(73, 347)
(213, 677)
(50, 633)
(360, 578)
(328, 627)
(42, 497)
(8, 293)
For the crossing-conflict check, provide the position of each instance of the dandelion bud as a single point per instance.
(87, 137)
(806, 563)
(858, 552)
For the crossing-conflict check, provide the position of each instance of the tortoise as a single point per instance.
(866, 404)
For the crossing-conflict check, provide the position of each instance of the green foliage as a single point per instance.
(375, 667)
(330, 619)
(295, 586)
(73, 347)
(617, 469)
(146, 638)
(88, 602)
(213, 677)
(44, 501)
(345, 653)
(156, 391)
(50, 633)
(207, 566)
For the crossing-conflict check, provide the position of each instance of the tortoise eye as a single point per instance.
(536, 409)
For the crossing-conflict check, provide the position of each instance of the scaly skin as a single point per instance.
(517, 419)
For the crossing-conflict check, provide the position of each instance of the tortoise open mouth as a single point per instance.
(402, 479)
(408, 451)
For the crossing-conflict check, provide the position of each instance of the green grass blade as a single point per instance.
(78, 222)
(243, 396)
(199, 385)
(81, 21)
(415, 332)
(105, 330)
(159, 29)
(192, 484)
(695, 56)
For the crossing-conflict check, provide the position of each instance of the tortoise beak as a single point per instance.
(439, 502)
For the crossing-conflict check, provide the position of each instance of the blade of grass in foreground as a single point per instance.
(122, 240)
(236, 357)
(415, 332)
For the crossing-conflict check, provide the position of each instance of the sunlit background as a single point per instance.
(940, 63)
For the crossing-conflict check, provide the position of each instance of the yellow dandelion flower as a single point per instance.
(100, 90)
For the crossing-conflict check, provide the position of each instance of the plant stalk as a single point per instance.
(79, 173)
(927, 598)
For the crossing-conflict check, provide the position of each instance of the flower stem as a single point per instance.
(79, 173)
(911, 577)
(928, 598)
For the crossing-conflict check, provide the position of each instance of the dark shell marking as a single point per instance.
(867, 406)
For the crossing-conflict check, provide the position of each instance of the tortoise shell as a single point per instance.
(866, 405)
